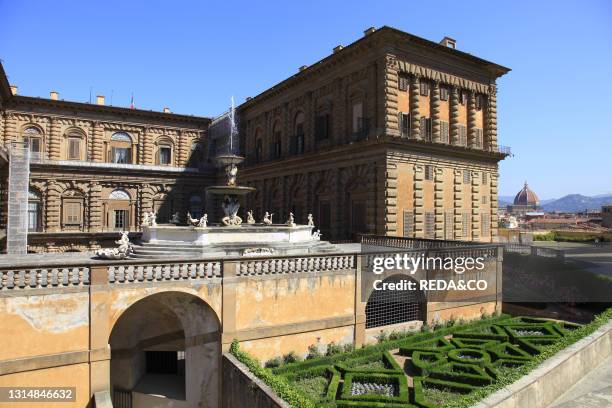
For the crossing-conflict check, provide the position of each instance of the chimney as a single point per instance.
(100, 99)
(369, 31)
(303, 67)
(338, 48)
(53, 95)
(449, 42)
(14, 89)
(166, 110)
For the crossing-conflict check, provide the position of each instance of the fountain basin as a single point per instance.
(222, 235)
(230, 190)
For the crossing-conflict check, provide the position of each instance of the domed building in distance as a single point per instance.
(525, 201)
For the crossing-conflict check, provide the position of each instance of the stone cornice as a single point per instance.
(442, 77)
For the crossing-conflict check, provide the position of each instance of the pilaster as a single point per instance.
(494, 204)
(10, 128)
(53, 207)
(415, 116)
(391, 89)
(148, 144)
(98, 142)
(471, 128)
(454, 116)
(390, 195)
(435, 112)
(95, 209)
(54, 139)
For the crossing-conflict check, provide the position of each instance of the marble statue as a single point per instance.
(231, 171)
(230, 209)
(149, 219)
(310, 220)
(203, 221)
(250, 219)
(176, 218)
(267, 219)
(291, 220)
(121, 252)
(192, 221)
(316, 235)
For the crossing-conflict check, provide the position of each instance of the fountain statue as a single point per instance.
(123, 251)
(230, 236)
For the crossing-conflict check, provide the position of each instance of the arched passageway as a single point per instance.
(165, 352)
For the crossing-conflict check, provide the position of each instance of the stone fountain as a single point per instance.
(230, 236)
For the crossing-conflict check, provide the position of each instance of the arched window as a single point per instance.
(119, 194)
(75, 145)
(120, 148)
(277, 135)
(118, 214)
(164, 151)
(297, 146)
(386, 307)
(195, 206)
(33, 137)
(34, 211)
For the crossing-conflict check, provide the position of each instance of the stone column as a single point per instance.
(418, 201)
(415, 118)
(475, 205)
(491, 119)
(457, 193)
(439, 202)
(95, 207)
(53, 209)
(55, 140)
(471, 136)
(435, 112)
(98, 142)
(454, 116)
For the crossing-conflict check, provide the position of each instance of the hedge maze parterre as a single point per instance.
(420, 369)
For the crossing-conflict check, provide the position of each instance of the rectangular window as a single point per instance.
(325, 217)
(403, 82)
(408, 223)
(404, 119)
(430, 225)
(444, 93)
(72, 213)
(34, 144)
(467, 177)
(463, 97)
(121, 155)
(484, 199)
(425, 128)
(478, 141)
(33, 221)
(444, 133)
(479, 101)
(465, 224)
(358, 217)
(424, 88)
(429, 172)
(299, 148)
(462, 130)
(121, 217)
(74, 148)
(484, 178)
(165, 155)
(322, 127)
(485, 224)
(449, 224)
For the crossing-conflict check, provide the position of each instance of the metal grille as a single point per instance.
(387, 307)
(430, 225)
(122, 398)
(408, 223)
(449, 224)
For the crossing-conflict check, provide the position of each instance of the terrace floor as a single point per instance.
(593, 391)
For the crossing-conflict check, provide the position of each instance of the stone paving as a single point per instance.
(593, 391)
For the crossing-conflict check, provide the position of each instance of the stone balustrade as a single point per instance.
(295, 265)
(180, 271)
(43, 278)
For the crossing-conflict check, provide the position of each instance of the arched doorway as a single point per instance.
(387, 307)
(165, 352)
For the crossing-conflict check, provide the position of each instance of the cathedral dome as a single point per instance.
(526, 197)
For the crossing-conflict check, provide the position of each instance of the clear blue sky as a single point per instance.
(555, 107)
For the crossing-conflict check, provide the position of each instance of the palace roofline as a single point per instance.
(495, 69)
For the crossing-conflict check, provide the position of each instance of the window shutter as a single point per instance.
(408, 223)
(423, 127)
(403, 82)
(444, 131)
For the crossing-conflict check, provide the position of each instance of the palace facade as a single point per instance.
(392, 134)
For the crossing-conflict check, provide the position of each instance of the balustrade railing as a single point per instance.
(44, 277)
